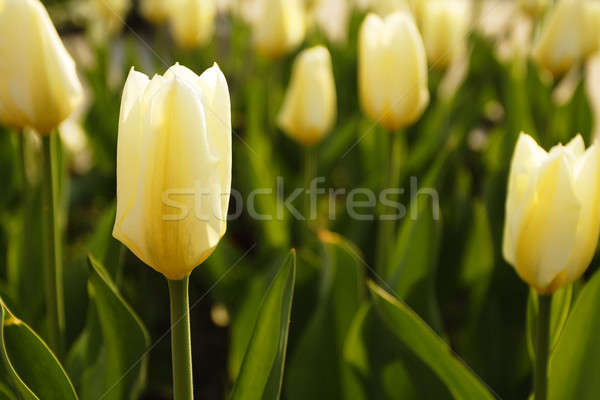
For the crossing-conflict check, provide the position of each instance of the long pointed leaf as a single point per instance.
(31, 366)
(261, 373)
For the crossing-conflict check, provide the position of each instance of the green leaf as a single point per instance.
(380, 365)
(428, 347)
(108, 251)
(261, 372)
(317, 369)
(561, 304)
(119, 370)
(575, 362)
(412, 267)
(29, 364)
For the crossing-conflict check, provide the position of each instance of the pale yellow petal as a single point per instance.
(405, 72)
(371, 80)
(587, 187)
(128, 144)
(576, 146)
(217, 110)
(547, 235)
(526, 159)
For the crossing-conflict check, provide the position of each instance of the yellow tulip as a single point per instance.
(552, 212)
(39, 87)
(310, 106)
(173, 167)
(445, 26)
(387, 7)
(332, 17)
(569, 34)
(192, 22)
(392, 70)
(155, 11)
(533, 6)
(278, 27)
(108, 16)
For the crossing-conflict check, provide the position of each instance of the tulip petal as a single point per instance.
(587, 187)
(526, 159)
(217, 109)
(408, 93)
(547, 235)
(309, 107)
(372, 82)
(128, 144)
(65, 92)
(576, 146)
(38, 82)
(174, 211)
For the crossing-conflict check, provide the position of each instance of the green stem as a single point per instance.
(23, 162)
(542, 347)
(310, 171)
(52, 243)
(181, 346)
(385, 234)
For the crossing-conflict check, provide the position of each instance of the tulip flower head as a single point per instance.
(155, 11)
(392, 70)
(173, 167)
(533, 7)
(552, 212)
(192, 22)
(39, 87)
(107, 17)
(310, 106)
(445, 26)
(570, 33)
(278, 27)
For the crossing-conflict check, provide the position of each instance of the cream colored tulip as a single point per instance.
(332, 17)
(569, 33)
(392, 70)
(108, 16)
(552, 212)
(278, 26)
(310, 106)
(387, 7)
(192, 22)
(155, 11)
(445, 26)
(173, 167)
(533, 7)
(39, 87)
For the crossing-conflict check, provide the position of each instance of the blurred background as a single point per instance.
(449, 270)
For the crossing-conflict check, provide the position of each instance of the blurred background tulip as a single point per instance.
(533, 7)
(310, 105)
(278, 26)
(173, 129)
(569, 33)
(392, 70)
(155, 11)
(332, 17)
(552, 212)
(39, 87)
(445, 27)
(192, 22)
(106, 18)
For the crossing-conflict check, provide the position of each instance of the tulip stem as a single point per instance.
(542, 347)
(181, 346)
(387, 220)
(55, 312)
(310, 170)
